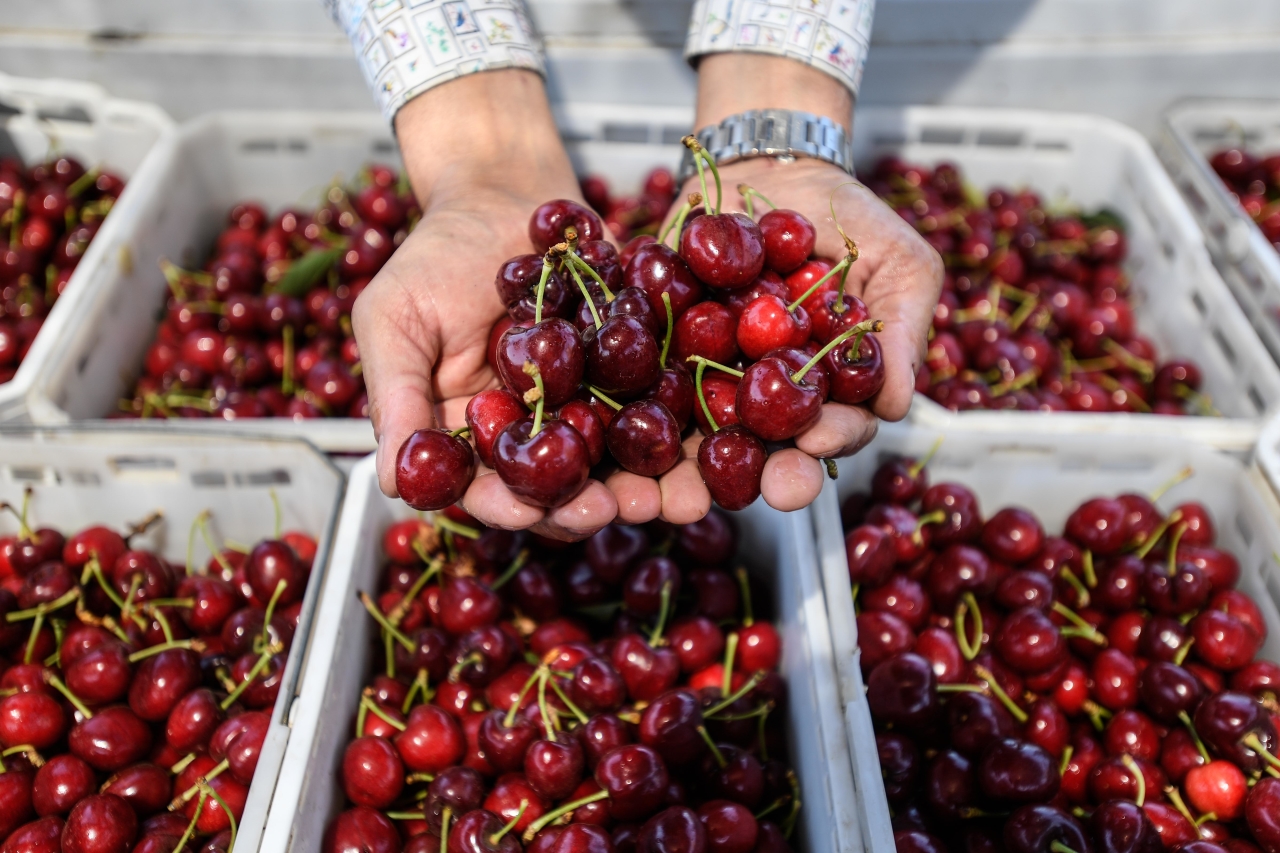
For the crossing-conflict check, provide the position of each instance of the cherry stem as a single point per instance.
(389, 652)
(702, 399)
(261, 664)
(813, 288)
(1065, 763)
(516, 565)
(1251, 740)
(655, 638)
(609, 401)
(1087, 631)
(548, 723)
(542, 288)
(586, 295)
(744, 586)
(987, 676)
(1082, 593)
(576, 260)
(859, 330)
(919, 465)
(445, 817)
(758, 711)
(421, 684)
(715, 750)
(1132, 767)
(286, 373)
(207, 535)
(372, 607)
(455, 671)
(761, 740)
(511, 824)
(717, 365)
(1146, 370)
(185, 797)
(191, 826)
(1090, 575)
(730, 652)
(789, 825)
(1178, 803)
(735, 696)
(1096, 714)
(227, 811)
(1181, 654)
(373, 708)
(568, 703)
(555, 814)
(535, 396)
(448, 524)
(677, 224)
(961, 688)
(699, 155)
(510, 720)
(281, 585)
(671, 325)
(1059, 847)
(969, 648)
(1173, 548)
(44, 608)
(749, 193)
(57, 684)
(397, 614)
(152, 651)
(1184, 474)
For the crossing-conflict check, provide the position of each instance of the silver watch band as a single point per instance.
(772, 133)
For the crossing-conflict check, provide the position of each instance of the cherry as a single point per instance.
(902, 691)
(1167, 690)
(554, 765)
(239, 740)
(656, 269)
(555, 348)
(272, 563)
(33, 718)
(362, 830)
(1174, 829)
(975, 721)
(161, 681)
(1132, 733)
(950, 787)
(1236, 727)
(1217, 787)
(621, 356)
(1026, 588)
(1262, 814)
(1123, 827)
(917, 841)
(145, 787)
(636, 780)
(434, 469)
(39, 836)
(431, 741)
(1013, 535)
(855, 378)
(647, 671)
(773, 404)
(517, 285)
(1197, 524)
(725, 250)
(900, 764)
(731, 461)
(61, 783)
(957, 570)
(721, 394)
(962, 518)
(548, 223)
(1028, 641)
(1036, 829)
(1099, 524)
(674, 389)
(30, 552)
(730, 827)
(213, 601)
(579, 415)
(372, 773)
(707, 329)
(769, 323)
(100, 674)
(547, 468)
(113, 738)
(1242, 607)
(459, 789)
(1115, 680)
(1223, 641)
(102, 823)
(677, 829)
(788, 239)
(644, 438)
(1013, 771)
(1120, 585)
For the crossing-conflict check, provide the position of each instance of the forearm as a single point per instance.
(493, 129)
(731, 83)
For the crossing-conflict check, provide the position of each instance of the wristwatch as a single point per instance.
(785, 134)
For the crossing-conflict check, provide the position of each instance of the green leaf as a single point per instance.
(307, 270)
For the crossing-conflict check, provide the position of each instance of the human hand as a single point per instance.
(423, 323)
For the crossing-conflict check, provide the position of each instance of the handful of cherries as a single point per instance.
(264, 330)
(606, 353)
(49, 213)
(613, 697)
(1045, 694)
(1035, 313)
(1255, 182)
(136, 694)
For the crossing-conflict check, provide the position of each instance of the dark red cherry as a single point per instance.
(621, 356)
(101, 823)
(61, 783)
(855, 378)
(902, 691)
(788, 239)
(372, 773)
(488, 414)
(656, 269)
(725, 250)
(1036, 828)
(550, 219)
(707, 329)
(146, 787)
(772, 404)
(362, 830)
(547, 469)
(272, 563)
(1100, 525)
(554, 347)
(112, 739)
(644, 438)
(1013, 771)
(579, 415)
(731, 462)
(434, 469)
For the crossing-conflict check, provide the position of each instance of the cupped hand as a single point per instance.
(897, 274)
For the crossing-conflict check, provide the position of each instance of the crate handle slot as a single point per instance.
(625, 133)
(27, 474)
(1198, 301)
(1246, 532)
(208, 479)
(1221, 340)
(272, 477)
(942, 136)
(1001, 138)
(134, 464)
(1255, 397)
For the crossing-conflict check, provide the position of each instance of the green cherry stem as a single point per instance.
(1173, 548)
(702, 400)
(542, 288)
(382, 620)
(555, 814)
(749, 194)
(512, 570)
(813, 288)
(497, 836)
(612, 403)
(677, 225)
(1132, 767)
(655, 638)
(586, 294)
(535, 395)
(717, 365)
(576, 260)
(859, 330)
(1184, 474)
(510, 719)
(671, 325)
(730, 652)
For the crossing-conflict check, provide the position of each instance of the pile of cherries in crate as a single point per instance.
(1035, 313)
(1032, 693)
(264, 330)
(1256, 185)
(630, 216)
(608, 352)
(137, 693)
(49, 213)
(612, 697)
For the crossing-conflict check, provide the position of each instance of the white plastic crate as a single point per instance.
(1181, 302)
(1192, 132)
(43, 118)
(777, 548)
(1049, 475)
(117, 476)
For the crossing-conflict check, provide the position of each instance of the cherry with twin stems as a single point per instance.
(730, 459)
(543, 462)
(775, 402)
(725, 250)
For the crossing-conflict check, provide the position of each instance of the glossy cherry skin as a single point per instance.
(788, 237)
(372, 773)
(772, 404)
(553, 768)
(239, 740)
(517, 285)
(724, 250)
(431, 741)
(768, 323)
(1262, 814)
(648, 672)
(101, 674)
(1224, 641)
(555, 347)
(272, 562)
(146, 787)
(855, 378)
(488, 414)
(707, 329)
(161, 681)
(362, 830)
(1123, 827)
(549, 221)
(1168, 690)
(902, 691)
(433, 469)
(1034, 828)
(731, 462)
(1099, 525)
(1223, 720)
(547, 469)
(962, 520)
(636, 779)
(1013, 535)
(644, 438)
(112, 739)
(34, 718)
(102, 823)
(579, 415)
(674, 389)
(1013, 771)
(61, 783)
(656, 269)
(673, 830)
(621, 356)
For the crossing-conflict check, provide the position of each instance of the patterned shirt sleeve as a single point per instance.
(406, 47)
(830, 35)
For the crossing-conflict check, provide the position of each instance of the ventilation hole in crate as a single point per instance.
(208, 479)
(296, 146)
(1001, 138)
(383, 147)
(259, 146)
(1255, 397)
(142, 464)
(942, 135)
(27, 473)
(673, 135)
(84, 478)
(889, 140)
(626, 133)
(77, 114)
(1251, 278)
(7, 109)
(1198, 301)
(1192, 192)
(1246, 532)
(1224, 346)
(1051, 145)
(273, 477)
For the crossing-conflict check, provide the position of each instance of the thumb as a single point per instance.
(398, 353)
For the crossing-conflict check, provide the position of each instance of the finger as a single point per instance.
(396, 353)
(792, 480)
(907, 314)
(489, 501)
(591, 509)
(685, 498)
(840, 431)
(639, 498)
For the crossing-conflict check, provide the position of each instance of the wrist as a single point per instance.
(490, 129)
(732, 83)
